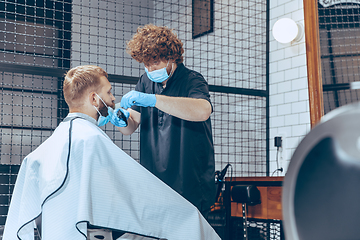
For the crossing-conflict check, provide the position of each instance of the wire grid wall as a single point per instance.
(339, 26)
(239, 130)
(29, 107)
(233, 56)
(36, 32)
(34, 35)
(41, 39)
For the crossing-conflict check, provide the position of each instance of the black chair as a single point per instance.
(321, 194)
(247, 195)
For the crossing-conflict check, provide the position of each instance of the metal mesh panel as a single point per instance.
(340, 52)
(100, 30)
(41, 39)
(29, 113)
(8, 175)
(239, 128)
(35, 32)
(34, 44)
(233, 55)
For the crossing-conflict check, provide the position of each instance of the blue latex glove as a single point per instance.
(138, 99)
(119, 117)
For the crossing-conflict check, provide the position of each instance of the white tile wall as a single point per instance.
(289, 99)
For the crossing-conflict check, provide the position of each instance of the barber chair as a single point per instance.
(321, 194)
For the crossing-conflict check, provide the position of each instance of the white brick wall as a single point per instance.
(289, 99)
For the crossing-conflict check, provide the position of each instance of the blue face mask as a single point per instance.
(104, 120)
(159, 75)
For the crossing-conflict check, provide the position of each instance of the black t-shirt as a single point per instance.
(179, 152)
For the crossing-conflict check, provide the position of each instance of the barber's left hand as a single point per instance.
(119, 121)
(138, 99)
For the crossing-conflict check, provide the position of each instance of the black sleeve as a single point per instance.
(198, 87)
(140, 88)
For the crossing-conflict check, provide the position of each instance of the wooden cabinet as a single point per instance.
(270, 191)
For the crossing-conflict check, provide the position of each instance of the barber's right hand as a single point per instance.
(122, 120)
(138, 99)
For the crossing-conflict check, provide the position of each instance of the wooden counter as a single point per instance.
(270, 191)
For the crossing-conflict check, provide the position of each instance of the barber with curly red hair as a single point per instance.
(172, 103)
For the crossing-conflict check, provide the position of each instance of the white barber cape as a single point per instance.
(97, 184)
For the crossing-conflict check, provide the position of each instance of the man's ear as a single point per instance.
(93, 99)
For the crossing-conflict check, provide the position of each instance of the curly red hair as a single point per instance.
(153, 43)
